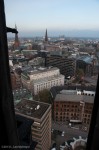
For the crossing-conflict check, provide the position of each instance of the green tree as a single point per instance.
(45, 96)
(79, 74)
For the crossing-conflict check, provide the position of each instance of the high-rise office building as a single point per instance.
(40, 113)
(66, 65)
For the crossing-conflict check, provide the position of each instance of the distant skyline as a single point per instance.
(72, 18)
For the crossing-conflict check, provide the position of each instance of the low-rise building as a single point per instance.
(19, 94)
(74, 105)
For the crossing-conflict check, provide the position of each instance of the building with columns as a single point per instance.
(41, 78)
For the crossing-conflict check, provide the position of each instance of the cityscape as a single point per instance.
(53, 55)
(54, 81)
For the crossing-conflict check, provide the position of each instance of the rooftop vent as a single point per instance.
(42, 68)
(38, 106)
(27, 107)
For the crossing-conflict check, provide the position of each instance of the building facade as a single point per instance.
(86, 63)
(74, 105)
(40, 113)
(42, 78)
(65, 64)
(15, 81)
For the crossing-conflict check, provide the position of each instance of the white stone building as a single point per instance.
(40, 78)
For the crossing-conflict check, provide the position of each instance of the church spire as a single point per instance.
(16, 43)
(46, 36)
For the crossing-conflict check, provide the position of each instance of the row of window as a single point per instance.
(67, 105)
(68, 110)
(85, 120)
(75, 114)
(66, 114)
(87, 108)
(48, 85)
(87, 115)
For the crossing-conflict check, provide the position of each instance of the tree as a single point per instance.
(79, 74)
(45, 96)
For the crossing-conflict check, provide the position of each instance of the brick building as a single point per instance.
(74, 105)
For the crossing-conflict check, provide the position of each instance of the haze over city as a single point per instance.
(49, 74)
(72, 18)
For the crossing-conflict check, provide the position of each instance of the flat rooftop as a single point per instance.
(41, 69)
(37, 70)
(74, 98)
(33, 109)
(86, 59)
(46, 79)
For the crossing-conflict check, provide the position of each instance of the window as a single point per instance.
(56, 113)
(56, 105)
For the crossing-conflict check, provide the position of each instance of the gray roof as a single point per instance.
(86, 59)
(29, 108)
(41, 69)
(21, 91)
(44, 80)
(36, 70)
(74, 98)
(68, 92)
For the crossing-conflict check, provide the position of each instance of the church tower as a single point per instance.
(16, 43)
(46, 36)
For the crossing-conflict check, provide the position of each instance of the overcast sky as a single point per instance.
(60, 17)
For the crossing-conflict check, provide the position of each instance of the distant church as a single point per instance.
(16, 42)
(46, 37)
(45, 40)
